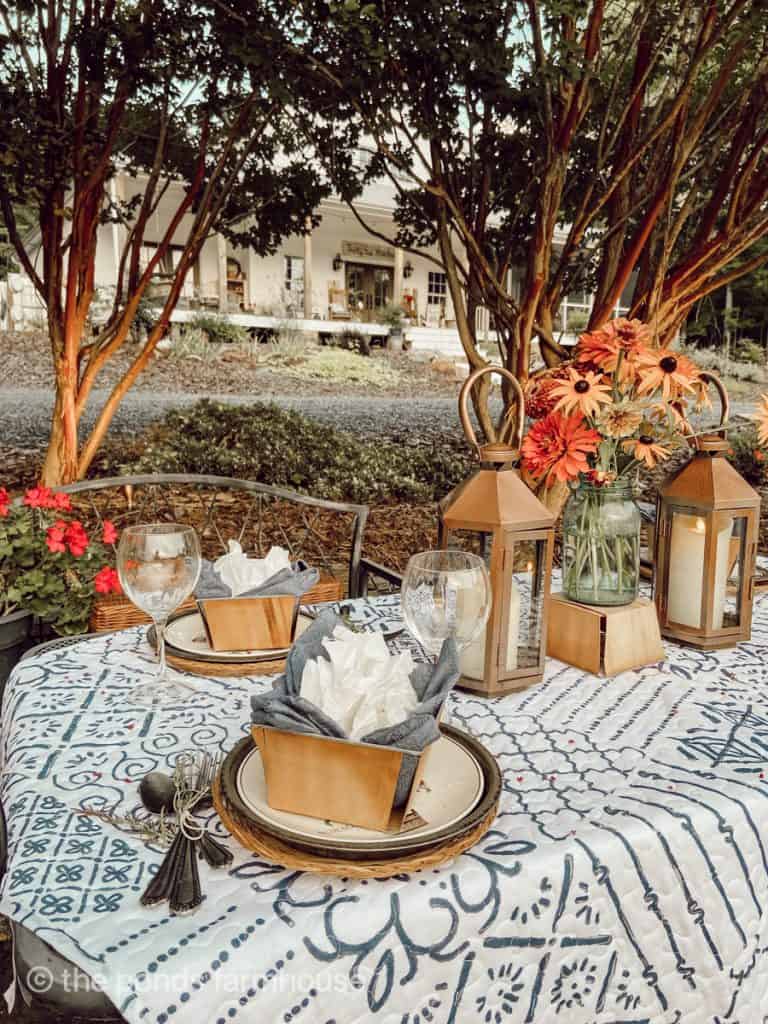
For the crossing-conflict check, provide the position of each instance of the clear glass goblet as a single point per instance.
(159, 565)
(446, 594)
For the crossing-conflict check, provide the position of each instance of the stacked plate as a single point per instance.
(460, 787)
(187, 646)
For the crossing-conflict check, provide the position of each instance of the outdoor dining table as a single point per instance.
(625, 880)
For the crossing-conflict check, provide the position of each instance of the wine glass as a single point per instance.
(446, 594)
(159, 565)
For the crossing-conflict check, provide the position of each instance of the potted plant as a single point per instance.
(49, 568)
(393, 316)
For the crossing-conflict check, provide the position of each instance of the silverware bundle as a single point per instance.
(178, 878)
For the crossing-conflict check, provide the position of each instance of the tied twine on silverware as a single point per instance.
(178, 878)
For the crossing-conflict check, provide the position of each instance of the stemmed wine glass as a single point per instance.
(446, 594)
(159, 565)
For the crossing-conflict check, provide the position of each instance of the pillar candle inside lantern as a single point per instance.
(472, 658)
(686, 570)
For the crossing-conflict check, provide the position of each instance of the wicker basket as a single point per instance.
(115, 611)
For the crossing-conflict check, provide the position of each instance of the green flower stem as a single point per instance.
(601, 545)
(593, 560)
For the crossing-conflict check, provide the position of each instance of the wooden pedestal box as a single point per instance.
(337, 779)
(601, 639)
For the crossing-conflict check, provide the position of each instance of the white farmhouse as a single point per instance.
(337, 277)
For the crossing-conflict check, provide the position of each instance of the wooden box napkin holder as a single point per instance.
(249, 623)
(337, 779)
(601, 639)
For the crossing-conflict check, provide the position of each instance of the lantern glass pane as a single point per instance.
(686, 567)
(478, 542)
(472, 657)
(525, 605)
(733, 575)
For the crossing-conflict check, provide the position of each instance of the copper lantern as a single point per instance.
(495, 515)
(706, 543)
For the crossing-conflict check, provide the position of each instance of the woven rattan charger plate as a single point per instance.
(209, 666)
(225, 669)
(402, 845)
(253, 838)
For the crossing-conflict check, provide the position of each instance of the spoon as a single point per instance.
(157, 791)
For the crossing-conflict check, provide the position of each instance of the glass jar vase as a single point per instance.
(601, 544)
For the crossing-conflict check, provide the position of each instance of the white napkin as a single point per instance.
(241, 573)
(363, 687)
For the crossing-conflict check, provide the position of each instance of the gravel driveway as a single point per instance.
(25, 414)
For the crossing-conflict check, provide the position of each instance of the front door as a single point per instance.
(369, 289)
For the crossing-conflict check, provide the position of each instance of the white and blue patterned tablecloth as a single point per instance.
(624, 881)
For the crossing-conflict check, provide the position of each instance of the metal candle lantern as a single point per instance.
(494, 514)
(705, 548)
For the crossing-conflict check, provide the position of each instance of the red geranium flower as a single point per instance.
(5, 500)
(76, 538)
(106, 581)
(110, 532)
(39, 497)
(61, 502)
(54, 536)
(557, 447)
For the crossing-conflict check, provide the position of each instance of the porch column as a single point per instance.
(397, 284)
(308, 270)
(221, 247)
(115, 195)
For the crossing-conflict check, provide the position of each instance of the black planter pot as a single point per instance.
(15, 638)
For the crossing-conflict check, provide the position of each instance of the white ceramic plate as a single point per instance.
(451, 787)
(186, 634)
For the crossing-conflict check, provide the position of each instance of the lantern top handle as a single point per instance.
(505, 447)
(716, 440)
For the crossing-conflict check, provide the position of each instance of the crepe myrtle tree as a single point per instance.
(549, 146)
(93, 88)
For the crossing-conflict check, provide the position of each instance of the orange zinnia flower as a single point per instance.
(662, 368)
(617, 337)
(582, 391)
(761, 419)
(557, 447)
(646, 449)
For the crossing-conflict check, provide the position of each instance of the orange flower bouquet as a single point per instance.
(618, 405)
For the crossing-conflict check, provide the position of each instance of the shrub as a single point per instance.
(352, 341)
(748, 351)
(219, 329)
(715, 361)
(284, 448)
(190, 343)
(144, 319)
(288, 343)
(748, 458)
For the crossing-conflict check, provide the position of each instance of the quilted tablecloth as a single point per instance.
(625, 880)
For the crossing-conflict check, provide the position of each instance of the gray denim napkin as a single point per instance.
(295, 581)
(284, 708)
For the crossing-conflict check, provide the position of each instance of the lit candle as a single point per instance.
(472, 658)
(686, 570)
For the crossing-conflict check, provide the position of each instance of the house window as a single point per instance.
(437, 288)
(167, 265)
(294, 279)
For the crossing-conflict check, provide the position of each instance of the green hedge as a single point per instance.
(287, 449)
